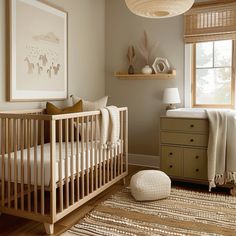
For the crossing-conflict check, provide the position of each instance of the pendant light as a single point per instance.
(159, 8)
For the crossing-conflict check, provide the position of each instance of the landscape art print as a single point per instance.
(38, 51)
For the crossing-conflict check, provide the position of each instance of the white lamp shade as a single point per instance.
(171, 96)
(159, 8)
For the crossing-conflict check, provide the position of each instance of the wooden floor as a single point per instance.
(10, 225)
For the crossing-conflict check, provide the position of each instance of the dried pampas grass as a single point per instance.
(146, 48)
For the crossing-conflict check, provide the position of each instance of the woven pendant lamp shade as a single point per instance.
(159, 8)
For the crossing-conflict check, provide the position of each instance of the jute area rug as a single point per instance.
(183, 213)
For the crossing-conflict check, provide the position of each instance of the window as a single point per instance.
(213, 74)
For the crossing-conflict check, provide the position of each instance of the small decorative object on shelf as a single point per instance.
(171, 97)
(161, 65)
(146, 49)
(147, 70)
(131, 57)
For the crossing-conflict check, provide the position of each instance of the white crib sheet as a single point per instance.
(86, 156)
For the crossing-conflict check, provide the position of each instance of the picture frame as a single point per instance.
(161, 65)
(38, 52)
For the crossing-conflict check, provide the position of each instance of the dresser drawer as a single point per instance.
(185, 125)
(184, 139)
(172, 160)
(195, 163)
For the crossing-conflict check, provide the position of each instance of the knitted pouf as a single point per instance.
(149, 185)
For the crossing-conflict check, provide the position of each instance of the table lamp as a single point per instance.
(171, 97)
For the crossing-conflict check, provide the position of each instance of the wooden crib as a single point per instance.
(52, 164)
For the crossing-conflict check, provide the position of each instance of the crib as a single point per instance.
(52, 164)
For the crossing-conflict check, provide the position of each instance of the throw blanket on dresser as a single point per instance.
(221, 147)
(110, 127)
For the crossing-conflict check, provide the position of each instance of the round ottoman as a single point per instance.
(149, 185)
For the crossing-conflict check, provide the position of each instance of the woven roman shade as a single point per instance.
(209, 22)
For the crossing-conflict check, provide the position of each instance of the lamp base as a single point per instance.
(170, 107)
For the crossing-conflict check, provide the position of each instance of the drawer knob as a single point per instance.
(197, 157)
(197, 170)
(171, 153)
(191, 140)
(171, 166)
(191, 126)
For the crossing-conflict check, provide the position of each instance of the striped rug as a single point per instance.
(183, 213)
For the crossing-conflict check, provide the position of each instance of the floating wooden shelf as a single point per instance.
(124, 75)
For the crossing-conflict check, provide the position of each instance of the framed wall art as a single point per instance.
(38, 52)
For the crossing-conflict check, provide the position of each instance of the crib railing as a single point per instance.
(65, 148)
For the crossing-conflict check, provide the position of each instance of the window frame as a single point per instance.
(193, 81)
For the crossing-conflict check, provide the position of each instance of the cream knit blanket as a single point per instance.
(221, 147)
(110, 127)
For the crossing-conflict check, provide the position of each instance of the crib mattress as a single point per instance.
(88, 158)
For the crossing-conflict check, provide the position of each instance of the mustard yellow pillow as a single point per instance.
(51, 109)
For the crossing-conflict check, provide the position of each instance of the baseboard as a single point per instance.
(144, 160)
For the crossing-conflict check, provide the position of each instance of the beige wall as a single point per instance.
(143, 98)
(86, 50)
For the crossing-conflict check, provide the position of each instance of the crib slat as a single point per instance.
(115, 160)
(6, 134)
(53, 197)
(99, 156)
(77, 158)
(122, 138)
(87, 154)
(18, 134)
(35, 167)
(42, 168)
(118, 152)
(28, 162)
(66, 155)
(9, 163)
(32, 136)
(96, 153)
(25, 131)
(82, 160)
(3, 121)
(100, 167)
(111, 153)
(60, 165)
(22, 162)
(72, 160)
(108, 164)
(126, 140)
(104, 165)
(15, 162)
(91, 155)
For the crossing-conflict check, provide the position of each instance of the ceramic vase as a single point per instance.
(147, 70)
(131, 70)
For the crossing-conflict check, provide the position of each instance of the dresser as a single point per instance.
(184, 148)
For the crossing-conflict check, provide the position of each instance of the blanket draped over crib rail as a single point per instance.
(221, 147)
(110, 127)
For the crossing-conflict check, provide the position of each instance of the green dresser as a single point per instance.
(184, 148)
